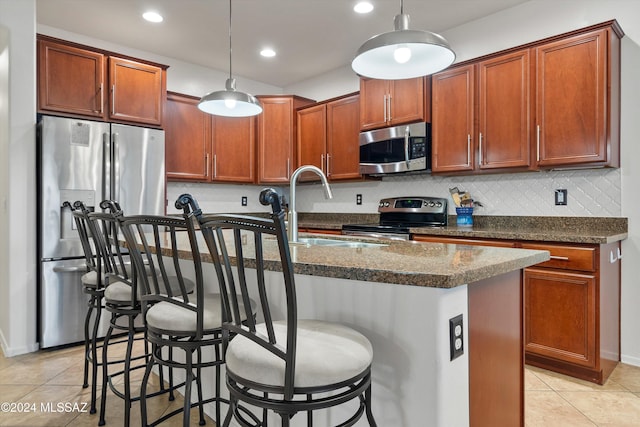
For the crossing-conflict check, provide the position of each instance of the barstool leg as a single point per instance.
(94, 354)
(143, 386)
(367, 396)
(105, 372)
(87, 340)
(199, 385)
(187, 387)
(127, 371)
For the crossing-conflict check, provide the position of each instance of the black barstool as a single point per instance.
(179, 325)
(287, 365)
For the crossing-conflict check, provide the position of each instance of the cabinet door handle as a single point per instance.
(206, 165)
(559, 258)
(328, 170)
(468, 149)
(288, 168)
(384, 107)
(322, 163)
(113, 100)
(619, 254)
(538, 143)
(101, 98)
(480, 148)
(389, 106)
(612, 258)
(215, 165)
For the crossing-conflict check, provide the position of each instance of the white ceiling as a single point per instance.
(310, 36)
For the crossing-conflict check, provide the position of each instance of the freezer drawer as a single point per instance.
(63, 304)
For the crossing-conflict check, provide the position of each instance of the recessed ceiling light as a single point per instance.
(152, 16)
(268, 52)
(363, 7)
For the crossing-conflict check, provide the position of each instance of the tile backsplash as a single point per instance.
(591, 192)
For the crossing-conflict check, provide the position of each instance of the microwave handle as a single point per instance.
(407, 134)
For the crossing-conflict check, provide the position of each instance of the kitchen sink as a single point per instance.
(320, 241)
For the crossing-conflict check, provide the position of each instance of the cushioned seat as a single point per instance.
(327, 353)
(91, 279)
(121, 292)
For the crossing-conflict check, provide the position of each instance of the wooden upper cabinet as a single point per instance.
(80, 81)
(234, 144)
(187, 139)
(504, 111)
(577, 100)
(312, 139)
(205, 148)
(343, 138)
(276, 137)
(137, 91)
(453, 116)
(392, 102)
(71, 80)
(328, 137)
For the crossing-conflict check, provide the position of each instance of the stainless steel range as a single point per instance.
(399, 214)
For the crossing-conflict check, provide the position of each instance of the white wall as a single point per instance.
(17, 184)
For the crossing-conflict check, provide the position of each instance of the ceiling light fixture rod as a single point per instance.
(230, 102)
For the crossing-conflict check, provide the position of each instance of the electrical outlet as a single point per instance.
(358, 199)
(561, 197)
(456, 337)
(244, 200)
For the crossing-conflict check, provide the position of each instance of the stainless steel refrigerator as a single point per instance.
(88, 161)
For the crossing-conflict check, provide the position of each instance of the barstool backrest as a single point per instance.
(87, 237)
(156, 246)
(249, 244)
(109, 245)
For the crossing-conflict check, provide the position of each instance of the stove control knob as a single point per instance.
(386, 204)
(381, 204)
(438, 204)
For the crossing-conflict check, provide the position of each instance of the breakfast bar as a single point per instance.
(403, 297)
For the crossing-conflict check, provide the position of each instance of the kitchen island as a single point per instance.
(402, 295)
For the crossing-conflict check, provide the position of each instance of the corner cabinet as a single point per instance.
(578, 100)
(393, 102)
(276, 137)
(205, 148)
(328, 137)
(80, 81)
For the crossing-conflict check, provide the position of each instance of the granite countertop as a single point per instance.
(396, 262)
(588, 230)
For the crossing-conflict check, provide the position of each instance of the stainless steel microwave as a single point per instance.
(396, 149)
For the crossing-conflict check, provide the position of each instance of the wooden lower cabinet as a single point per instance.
(571, 306)
(572, 316)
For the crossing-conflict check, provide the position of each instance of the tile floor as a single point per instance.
(48, 378)
(552, 400)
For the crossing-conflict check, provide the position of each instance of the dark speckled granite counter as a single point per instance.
(594, 230)
(436, 265)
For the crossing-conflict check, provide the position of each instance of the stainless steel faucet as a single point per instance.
(293, 215)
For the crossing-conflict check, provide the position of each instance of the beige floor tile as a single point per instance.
(607, 408)
(628, 376)
(533, 382)
(548, 409)
(561, 382)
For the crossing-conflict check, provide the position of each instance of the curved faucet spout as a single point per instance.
(293, 214)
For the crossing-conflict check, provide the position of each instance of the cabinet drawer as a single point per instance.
(567, 257)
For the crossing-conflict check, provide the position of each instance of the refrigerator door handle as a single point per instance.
(77, 269)
(106, 166)
(115, 180)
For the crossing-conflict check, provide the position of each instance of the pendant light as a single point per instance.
(230, 102)
(402, 53)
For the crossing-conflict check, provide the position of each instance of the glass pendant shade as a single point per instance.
(230, 102)
(403, 53)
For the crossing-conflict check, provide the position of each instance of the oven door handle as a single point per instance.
(407, 135)
(384, 236)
